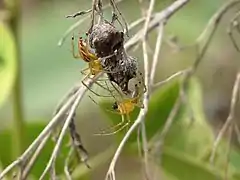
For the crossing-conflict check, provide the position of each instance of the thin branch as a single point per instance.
(78, 23)
(230, 132)
(210, 30)
(139, 119)
(32, 161)
(48, 129)
(175, 75)
(230, 118)
(51, 163)
(160, 137)
(214, 21)
(156, 54)
(147, 80)
(156, 20)
(163, 16)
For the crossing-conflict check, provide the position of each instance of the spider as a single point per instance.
(94, 64)
(86, 55)
(125, 106)
(234, 24)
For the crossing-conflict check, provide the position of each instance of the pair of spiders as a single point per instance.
(123, 105)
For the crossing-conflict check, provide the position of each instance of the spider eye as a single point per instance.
(115, 106)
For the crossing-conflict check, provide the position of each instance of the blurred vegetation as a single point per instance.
(48, 71)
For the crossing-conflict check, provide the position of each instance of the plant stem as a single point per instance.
(18, 122)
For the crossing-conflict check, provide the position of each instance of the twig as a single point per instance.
(213, 23)
(156, 20)
(160, 137)
(175, 75)
(163, 16)
(51, 163)
(66, 166)
(66, 97)
(230, 118)
(51, 125)
(80, 13)
(211, 29)
(139, 119)
(30, 164)
(228, 151)
(78, 23)
(115, 8)
(234, 24)
(136, 23)
(147, 84)
(77, 143)
(156, 54)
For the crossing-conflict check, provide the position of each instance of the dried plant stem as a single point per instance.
(230, 120)
(78, 23)
(175, 75)
(149, 24)
(49, 128)
(147, 84)
(30, 164)
(51, 163)
(214, 21)
(157, 52)
(205, 38)
(66, 166)
(230, 132)
(156, 19)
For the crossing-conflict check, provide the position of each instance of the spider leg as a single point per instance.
(122, 125)
(100, 95)
(97, 83)
(115, 17)
(76, 56)
(83, 71)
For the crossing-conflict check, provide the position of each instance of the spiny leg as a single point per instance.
(83, 71)
(97, 83)
(100, 95)
(122, 125)
(76, 56)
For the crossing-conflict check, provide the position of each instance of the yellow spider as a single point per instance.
(125, 106)
(94, 65)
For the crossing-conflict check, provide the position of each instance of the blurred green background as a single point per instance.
(48, 71)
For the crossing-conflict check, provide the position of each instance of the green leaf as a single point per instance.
(7, 62)
(32, 130)
(186, 134)
(160, 106)
(186, 167)
(189, 141)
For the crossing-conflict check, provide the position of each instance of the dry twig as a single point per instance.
(21, 161)
(230, 120)
(149, 25)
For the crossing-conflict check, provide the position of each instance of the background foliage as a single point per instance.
(49, 71)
